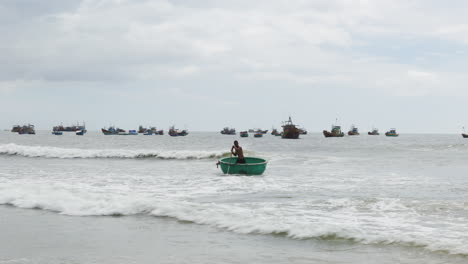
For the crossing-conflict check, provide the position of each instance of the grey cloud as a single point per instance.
(207, 49)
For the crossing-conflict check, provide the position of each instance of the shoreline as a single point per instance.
(42, 236)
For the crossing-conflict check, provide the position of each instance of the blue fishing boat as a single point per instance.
(353, 131)
(57, 133)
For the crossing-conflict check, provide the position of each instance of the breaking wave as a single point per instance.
(72, 153)
(242, 219)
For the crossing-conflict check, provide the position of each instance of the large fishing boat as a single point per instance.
(392, 133)
(72, 128)
(173, 132)
(290, 130)
(24, 130)
(228, 131)
(374, 132)
(353, 131)
(335, 132)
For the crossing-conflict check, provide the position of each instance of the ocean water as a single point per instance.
(362, 199)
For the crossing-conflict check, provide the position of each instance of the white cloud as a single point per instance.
(297, 41)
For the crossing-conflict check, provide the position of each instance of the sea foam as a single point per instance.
(70, 153)
(386, 221)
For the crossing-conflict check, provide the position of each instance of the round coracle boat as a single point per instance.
(252, 166)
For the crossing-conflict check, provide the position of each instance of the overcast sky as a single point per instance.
(242, 63)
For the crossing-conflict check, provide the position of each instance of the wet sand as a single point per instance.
(38, 236)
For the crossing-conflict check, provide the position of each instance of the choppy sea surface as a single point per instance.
(405, 194)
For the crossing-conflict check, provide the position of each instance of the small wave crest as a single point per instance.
(73, 153)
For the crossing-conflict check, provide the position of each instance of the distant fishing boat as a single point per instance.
(142, 129)
(302, 131)
(335, 132)
(244, 134)
(109, 131)
(155, 131)
(16, 129)
(24, 130)
(261, 131)
(72, 128)
(113, 131)
(374, 132)
(57, 133)
(148, 132)
(275, 132)
(132, 132)
(173, 132)
(290, 131)
(80, 133)
(353, 131)
(258, 135)
(228, 131)
(391, 133)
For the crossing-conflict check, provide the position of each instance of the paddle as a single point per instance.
(229, 166)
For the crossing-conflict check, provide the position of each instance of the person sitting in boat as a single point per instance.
(236, 150)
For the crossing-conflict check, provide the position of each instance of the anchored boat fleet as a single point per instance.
(231, 165)
(290, 131)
